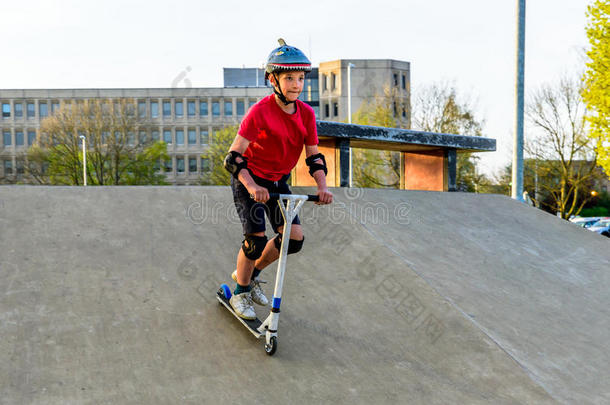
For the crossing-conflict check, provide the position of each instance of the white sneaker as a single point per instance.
(242, 305)
(256, 291)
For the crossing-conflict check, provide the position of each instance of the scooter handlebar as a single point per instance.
(310, 197)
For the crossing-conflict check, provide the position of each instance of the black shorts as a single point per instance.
(252, 213)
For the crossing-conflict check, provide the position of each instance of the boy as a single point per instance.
(267, 147)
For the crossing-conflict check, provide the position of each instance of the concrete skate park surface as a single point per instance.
(107, 295)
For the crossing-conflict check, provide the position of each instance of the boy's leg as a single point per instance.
(252, 216)
(271, 253)
(245, 266)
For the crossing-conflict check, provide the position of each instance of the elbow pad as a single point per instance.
(232, 166)
(313, 166)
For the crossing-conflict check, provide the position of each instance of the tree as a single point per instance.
(218, 149)
(37, 164)
(144, 168)
(564, 155)
(438, 108)
(596, 92)
(378, 168)
(114, 156)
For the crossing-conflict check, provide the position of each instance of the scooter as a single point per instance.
(268, 327)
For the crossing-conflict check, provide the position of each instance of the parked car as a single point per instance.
(602, 227)
(585, 222)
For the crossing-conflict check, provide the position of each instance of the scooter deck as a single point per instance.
(252, 325)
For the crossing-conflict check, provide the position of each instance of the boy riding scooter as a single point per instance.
(267, 147)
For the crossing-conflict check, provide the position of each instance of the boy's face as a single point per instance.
(291, 84)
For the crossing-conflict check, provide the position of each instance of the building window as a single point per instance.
(143, 137)
(131, 139)
(205, 137)
(18, 110)
(142, 109)
(326, 110)
(54, 106)
(228, 108)
(203, 108)
(154, 109)
(205, 165)
(404, 82)
(404, 112)
(8, 167)
(157, 166)
(167, 108)
(333, 80)
(191, 108)
(192, 137)
(395, 79)
(252, 102)
(179, 137)
(19, 138)
(240, 107)
(216, 109)
(395, 109)
(20, 169)
(6, 110)
(31, 137)
(180, 165)
(179, 109)
(167, 136)
(324, 82)
(192, 165)
(155, 136)
(336, 109)
(31, 110)
(7, 139)
(167, 165)
(43, 110)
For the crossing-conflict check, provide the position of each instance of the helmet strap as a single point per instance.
(279, 93)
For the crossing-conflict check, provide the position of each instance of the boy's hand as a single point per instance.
(258, 193)
(325, 196)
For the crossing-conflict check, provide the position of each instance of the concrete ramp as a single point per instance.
(107, 295)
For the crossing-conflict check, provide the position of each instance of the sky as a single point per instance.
(470, 43)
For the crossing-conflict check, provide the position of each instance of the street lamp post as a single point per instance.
(349, 114)
(84, 160)
(517, 174)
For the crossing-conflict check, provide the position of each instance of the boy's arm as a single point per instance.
(325, 196)
(258, 193)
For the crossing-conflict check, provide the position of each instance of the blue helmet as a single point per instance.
(287, 58)
(282, 59)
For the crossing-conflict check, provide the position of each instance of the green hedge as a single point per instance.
(594, 212)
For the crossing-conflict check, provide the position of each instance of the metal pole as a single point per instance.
(84, 160)
(537, 204)
(349, 92)
(517, 175)
(349, 115)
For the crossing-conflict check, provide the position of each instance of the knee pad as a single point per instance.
(253, 246)
(294, 246)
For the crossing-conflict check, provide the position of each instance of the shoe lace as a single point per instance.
(256, 286)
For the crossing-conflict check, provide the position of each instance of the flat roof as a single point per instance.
(372, 137)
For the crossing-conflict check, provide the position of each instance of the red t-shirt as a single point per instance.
(276, 137)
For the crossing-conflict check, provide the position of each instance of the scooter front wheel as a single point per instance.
(271, 347)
